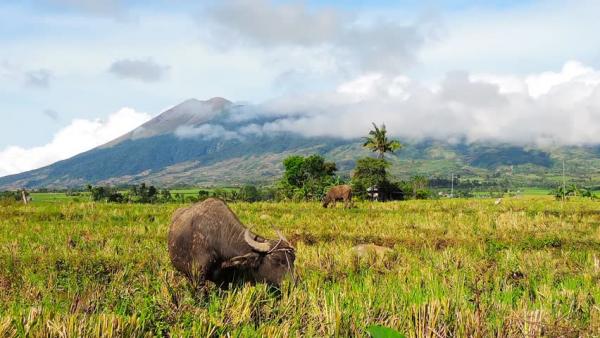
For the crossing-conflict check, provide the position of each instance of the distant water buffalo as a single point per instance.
(208, 242)
(338, 193)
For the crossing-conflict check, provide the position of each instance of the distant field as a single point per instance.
(529, 266)
(84, 196)
(535, 191)
(57, 197)
(61, 197)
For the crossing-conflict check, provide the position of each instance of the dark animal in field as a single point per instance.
(208, 242)
(338, 193)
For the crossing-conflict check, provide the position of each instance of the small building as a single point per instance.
(373, 193)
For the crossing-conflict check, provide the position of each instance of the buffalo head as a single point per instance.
(326, 200)
(269, 260)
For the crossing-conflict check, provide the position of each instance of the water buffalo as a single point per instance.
(338, 193)
(208, 242)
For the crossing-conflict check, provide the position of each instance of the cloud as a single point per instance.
(52, 114)
(79, 136)
(206, 132)
(142, 70)
(550, 108)
(97, 7)
(369, 45)
(531, 36)
(38, 78)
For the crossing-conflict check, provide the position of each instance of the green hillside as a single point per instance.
(204, 143)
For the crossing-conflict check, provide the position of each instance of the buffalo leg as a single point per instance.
(198, 269)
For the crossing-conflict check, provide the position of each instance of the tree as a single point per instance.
(378, 142)
(249, 193)
(106, 194)
(306, 177)
(143, 194)
(165, 196)
(419, 187)
(370, 172)
(203, 194)
(293, 174)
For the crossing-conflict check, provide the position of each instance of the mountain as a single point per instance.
(218, 142)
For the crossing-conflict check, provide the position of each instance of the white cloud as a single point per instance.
(356, 43)
(532, 36)
(205, 131)
(79, 136)
(548, 108)
(572, 72)
(97, 7)
(304, 48)
(142, 70)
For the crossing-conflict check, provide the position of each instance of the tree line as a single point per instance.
(308, 178)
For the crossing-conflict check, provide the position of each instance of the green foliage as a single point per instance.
(369, 172)
(143, 194)
(203, 194)
(572, 190)
(378, 331)
(249, 193)
(136, 194)
(221, 193)
(372, 174)
(165, 196)
(419, 186)
(10, 195)
(510, 155)
(306, 178)
(378, 142)
(105, 194)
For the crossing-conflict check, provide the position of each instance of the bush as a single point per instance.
(249, 193)
(203, 194)
(306, 178)
(370, 173)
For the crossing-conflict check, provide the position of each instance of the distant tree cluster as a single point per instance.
(247, 193)
(10, 196)
(565, 192)
(307, 178)
(136, 194)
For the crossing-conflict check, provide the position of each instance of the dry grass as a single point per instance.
(527, 267)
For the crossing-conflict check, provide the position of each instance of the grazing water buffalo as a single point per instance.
(338, 193)
(208, 242)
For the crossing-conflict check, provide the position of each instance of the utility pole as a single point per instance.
(452, 186)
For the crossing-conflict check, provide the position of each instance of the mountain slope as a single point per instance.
(208, 143)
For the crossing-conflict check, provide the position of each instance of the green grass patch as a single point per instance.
(529, 266)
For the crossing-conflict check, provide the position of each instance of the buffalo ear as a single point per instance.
(248, 260)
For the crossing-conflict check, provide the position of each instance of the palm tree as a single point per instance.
(378, 142)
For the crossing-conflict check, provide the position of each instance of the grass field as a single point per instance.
(528, 266)
(85, 196)
(41, 197)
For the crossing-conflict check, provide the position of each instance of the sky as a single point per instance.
(75, 74)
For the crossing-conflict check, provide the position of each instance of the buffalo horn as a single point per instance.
(281, 237)
(258, 246)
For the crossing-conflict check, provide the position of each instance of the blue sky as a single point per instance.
(64, 62)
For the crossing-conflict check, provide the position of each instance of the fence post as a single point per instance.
(24, 196)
